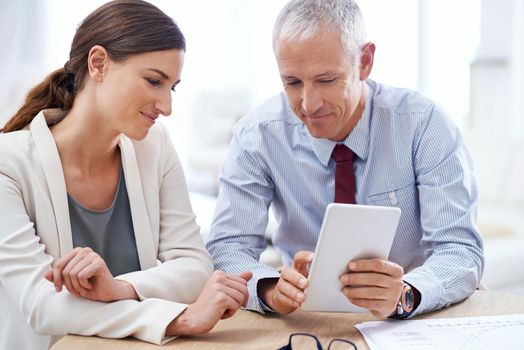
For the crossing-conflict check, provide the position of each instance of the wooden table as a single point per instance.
(250, 330)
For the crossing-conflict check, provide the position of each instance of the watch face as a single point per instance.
(408, 299)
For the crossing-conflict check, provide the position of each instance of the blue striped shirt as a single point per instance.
(409, 155)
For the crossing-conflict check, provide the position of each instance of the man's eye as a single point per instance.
(292, 82)
(327, 81)
(153, 82)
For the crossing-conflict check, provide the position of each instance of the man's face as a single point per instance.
(323, 85)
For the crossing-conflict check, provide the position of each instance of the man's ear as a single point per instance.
(97, 62)
(366, 60)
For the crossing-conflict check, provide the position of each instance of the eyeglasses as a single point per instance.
(299, 341)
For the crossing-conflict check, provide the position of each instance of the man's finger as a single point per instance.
(365, 279)
(373, 293)
(282, 300)
(376, 265)
(291, 292)
(380, 307)
(295, 278)
(302, 258)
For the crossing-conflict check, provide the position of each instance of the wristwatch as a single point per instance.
(406, 303)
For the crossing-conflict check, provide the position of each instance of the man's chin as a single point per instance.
(319, 133)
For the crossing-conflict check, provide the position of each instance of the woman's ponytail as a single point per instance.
(56, 91)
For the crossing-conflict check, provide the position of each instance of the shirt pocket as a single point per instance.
(403, 197)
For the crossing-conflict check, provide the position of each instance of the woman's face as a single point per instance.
(135, 92)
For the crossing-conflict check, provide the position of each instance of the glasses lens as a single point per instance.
(303, 342)
(341, 344)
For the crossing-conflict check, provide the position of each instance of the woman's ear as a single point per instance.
(97, 62)
(366, 60)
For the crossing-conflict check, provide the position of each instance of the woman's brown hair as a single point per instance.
(124, 28)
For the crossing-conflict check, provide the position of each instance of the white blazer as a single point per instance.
(35, 230)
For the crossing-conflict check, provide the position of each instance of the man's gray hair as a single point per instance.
(303, 19)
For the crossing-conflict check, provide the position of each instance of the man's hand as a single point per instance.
(221, 297)
(85, 274)
(287, 293)
(374, 284)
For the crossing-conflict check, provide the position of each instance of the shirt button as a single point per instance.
(393, 198)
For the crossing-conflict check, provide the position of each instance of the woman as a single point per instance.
(93, 198)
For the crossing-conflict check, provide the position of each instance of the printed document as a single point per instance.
(484, 332)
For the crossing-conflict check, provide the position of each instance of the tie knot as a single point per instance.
(342, 153)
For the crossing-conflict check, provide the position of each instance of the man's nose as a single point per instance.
(311, 100)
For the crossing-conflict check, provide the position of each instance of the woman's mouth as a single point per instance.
(150, 117)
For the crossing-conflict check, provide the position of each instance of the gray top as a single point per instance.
(108, 232)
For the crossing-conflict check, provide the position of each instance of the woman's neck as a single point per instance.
(86, 141)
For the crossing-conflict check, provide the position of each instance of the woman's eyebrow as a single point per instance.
(162, 74)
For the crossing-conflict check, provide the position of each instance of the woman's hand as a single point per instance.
(221, 297)
(85, 274)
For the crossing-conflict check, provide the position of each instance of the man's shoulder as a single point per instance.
(398, 100)
(408, 110)
(274, 113)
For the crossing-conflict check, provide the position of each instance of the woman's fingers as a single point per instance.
(74, 270)
(76, 264)
(240, 286)
(49, 275)
(59, 267)
(78, 277)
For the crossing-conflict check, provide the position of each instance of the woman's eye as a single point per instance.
(153, 82)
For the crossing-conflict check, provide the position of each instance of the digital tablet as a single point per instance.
(349, 232)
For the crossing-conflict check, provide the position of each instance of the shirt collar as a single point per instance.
(357, 140)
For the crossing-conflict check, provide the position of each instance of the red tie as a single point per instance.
(344, 176)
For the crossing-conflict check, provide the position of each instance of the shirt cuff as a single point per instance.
(430, 292)
(255, 302)
(265, 308)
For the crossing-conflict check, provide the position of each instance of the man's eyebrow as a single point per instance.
(162, 74)
(326, 73)
(323, 74)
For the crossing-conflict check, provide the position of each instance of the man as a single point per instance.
(401, 148)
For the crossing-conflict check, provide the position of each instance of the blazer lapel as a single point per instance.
(141, 224)
(48, 154)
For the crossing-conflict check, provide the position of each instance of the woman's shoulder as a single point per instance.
(16, 156)
(15, 144)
